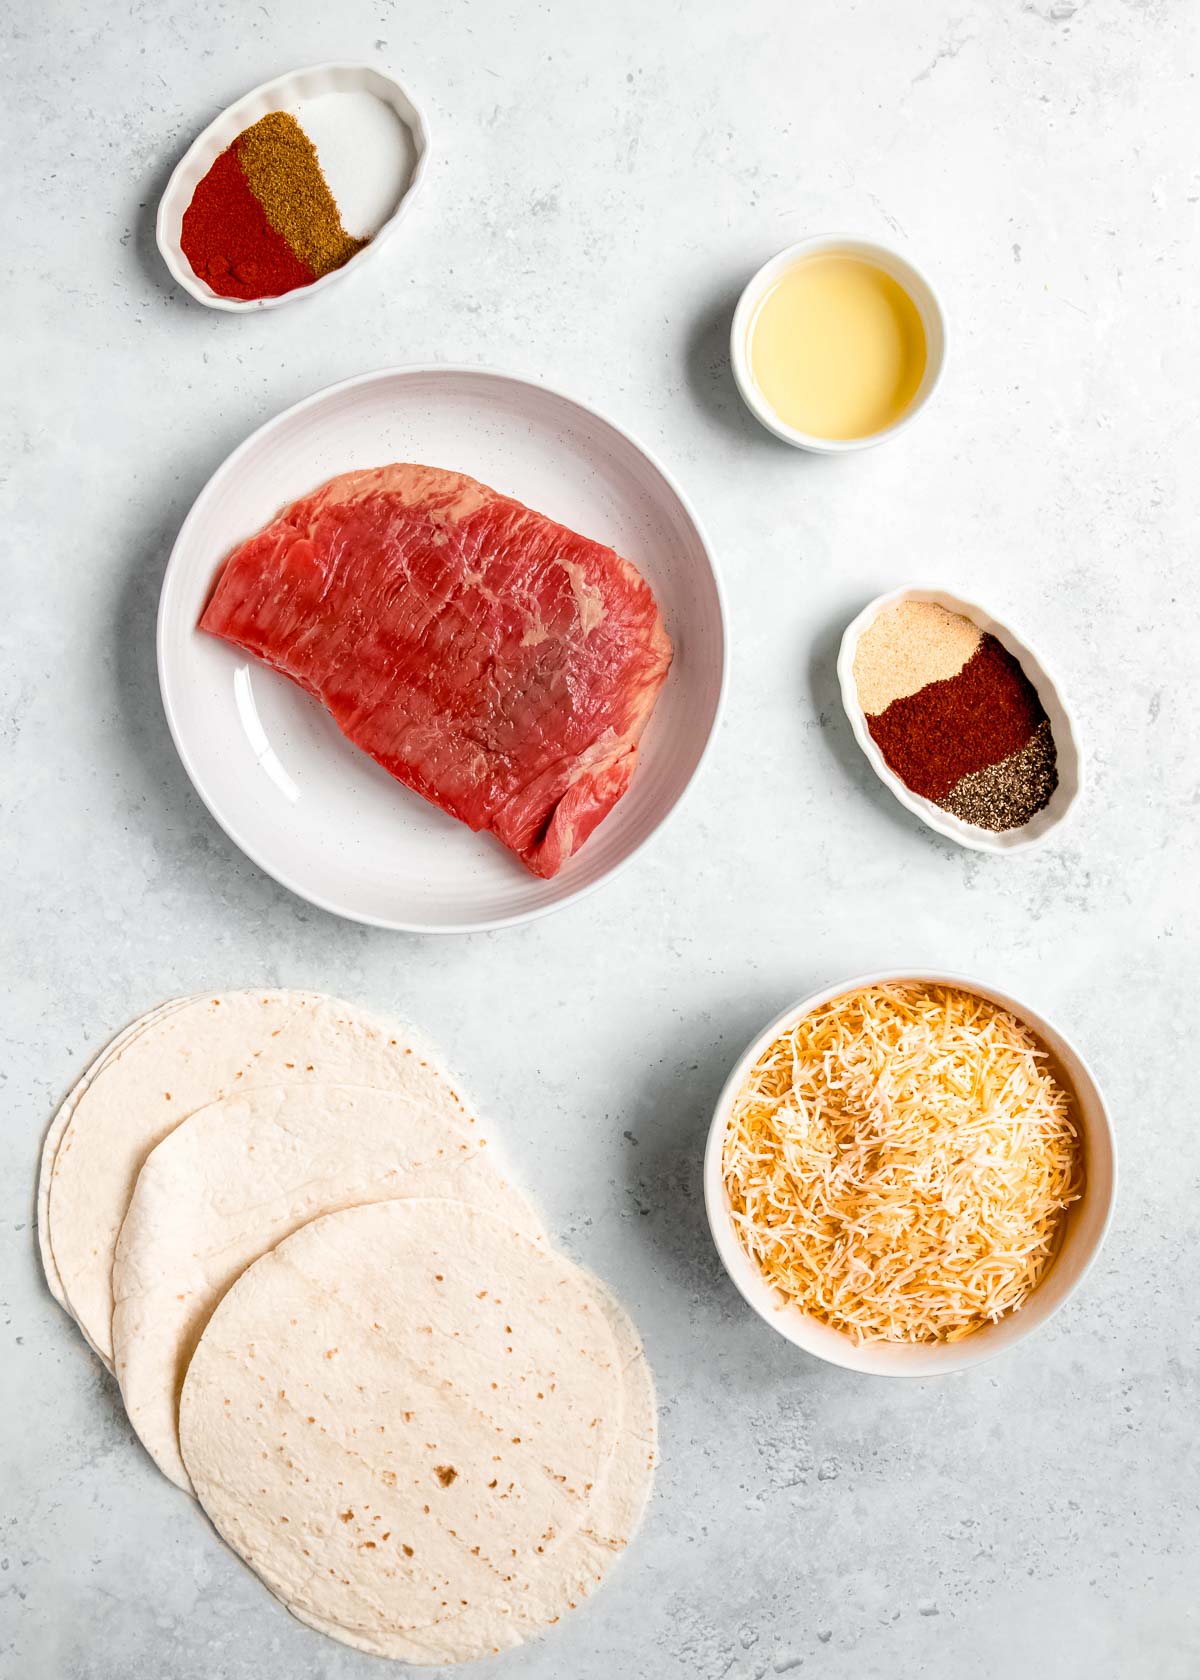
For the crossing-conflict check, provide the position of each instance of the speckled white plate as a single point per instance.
(372, 143)
(1070, 759)
(269, 762)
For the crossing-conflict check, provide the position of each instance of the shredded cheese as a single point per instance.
(899, 1162)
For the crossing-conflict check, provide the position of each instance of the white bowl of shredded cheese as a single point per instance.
(957, 1209)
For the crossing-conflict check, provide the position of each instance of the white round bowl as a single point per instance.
(268, 760)
(368, 168)
(1043, 823)
(903, 270)
(1087, 1221)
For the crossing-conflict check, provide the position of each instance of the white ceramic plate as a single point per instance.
(1086, 1223)
(372, 143)
(1062, 725)
(269, 762)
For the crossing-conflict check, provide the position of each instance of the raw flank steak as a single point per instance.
(488, 658)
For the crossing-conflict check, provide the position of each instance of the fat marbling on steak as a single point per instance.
(487, 657)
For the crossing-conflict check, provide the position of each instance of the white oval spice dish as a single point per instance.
(372, 142)
(1062, 727)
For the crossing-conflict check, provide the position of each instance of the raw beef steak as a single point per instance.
(488, 658)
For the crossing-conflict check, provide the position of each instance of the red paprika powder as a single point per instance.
(229, 241)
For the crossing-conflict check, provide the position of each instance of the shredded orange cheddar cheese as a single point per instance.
(899, 1163)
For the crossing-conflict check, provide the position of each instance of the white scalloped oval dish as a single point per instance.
(372, 143)
(1042, 825)
(268, 760)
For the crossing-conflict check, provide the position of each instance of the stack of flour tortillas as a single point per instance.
(334, 1321)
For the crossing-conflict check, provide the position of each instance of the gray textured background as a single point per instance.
(604, 179)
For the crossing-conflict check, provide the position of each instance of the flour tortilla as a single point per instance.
(549, 1593)
(193, 1056)
(58, 1126)
(395, 1414)
(235, 1179)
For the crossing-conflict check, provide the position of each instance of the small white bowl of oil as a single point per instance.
(838, 343)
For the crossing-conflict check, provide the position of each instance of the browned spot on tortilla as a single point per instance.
(445, 1473)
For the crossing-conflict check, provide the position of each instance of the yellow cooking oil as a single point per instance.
(837, 347)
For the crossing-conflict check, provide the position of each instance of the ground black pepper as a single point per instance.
(1007, 794)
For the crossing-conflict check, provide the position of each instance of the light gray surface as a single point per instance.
(604, 178)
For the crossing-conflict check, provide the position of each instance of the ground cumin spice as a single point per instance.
(283, 172)
(955, 716)
(263, 220)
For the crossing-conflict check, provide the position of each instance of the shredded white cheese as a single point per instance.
(899, 1162)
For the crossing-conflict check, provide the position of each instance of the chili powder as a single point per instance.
(962, 724)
